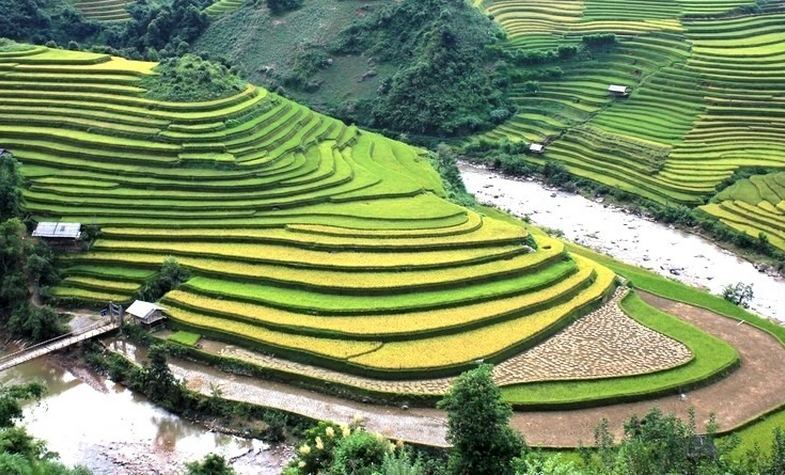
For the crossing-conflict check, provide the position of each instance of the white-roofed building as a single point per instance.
(52, 230)
(537, 148)
(619, 90)
(145, 312)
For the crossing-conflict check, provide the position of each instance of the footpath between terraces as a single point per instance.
(755, 388)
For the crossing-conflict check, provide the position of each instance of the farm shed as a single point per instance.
(146, 313)
(58, 231)
(619, 90)
(537, 148)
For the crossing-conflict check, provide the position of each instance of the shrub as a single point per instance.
(191, 78)
(739, 294)
(211, 464)
(280, 6)
(567, 51)
(36, 323)
(315, 454)
(401, 463)
(168, 278)
(599, 40)
(361, 453)
(531, 87)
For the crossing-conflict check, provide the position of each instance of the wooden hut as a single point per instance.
(146, 313)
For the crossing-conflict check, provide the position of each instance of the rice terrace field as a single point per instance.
(345, 263)
(308, 238)
(707, 99)
(316, 242)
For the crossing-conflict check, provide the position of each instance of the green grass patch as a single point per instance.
(185, 338)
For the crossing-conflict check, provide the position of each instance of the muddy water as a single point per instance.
(109, 429)
(613, 231)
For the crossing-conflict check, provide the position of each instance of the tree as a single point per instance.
(21, 454)
(11, 398)
(22, 263)
(168, 278)
(10, 191)
(777, 464)
(159, 383)
(478, 426)
(739, 294)
(211, 464)
(281, 6)
(657, 444)
(36, 323)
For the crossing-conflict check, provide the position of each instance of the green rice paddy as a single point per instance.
(307, 238)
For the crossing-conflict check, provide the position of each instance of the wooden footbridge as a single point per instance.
(63, 341)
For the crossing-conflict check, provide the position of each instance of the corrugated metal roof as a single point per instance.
(142, 309)
(618, 88)
(537, 147)
(58, 230)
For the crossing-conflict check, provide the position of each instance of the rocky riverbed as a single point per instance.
(614, 231)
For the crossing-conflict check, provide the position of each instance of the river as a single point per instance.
(94, 422)
(636, 240)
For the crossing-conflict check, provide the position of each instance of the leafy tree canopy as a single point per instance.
(478, 425)
(450, 79)
(191, 78)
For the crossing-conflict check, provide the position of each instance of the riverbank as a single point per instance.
(92, 421)
(629, 238)
(749, 386)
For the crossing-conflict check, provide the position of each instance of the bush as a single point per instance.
(167, 279)
(738, 294)
(531, 87)
(599, 40)
(361, 453)
(211, 464)
(567, 51)
(401, 463)
(315, 454)
(36, 323)
(191, 78)
(281, 6)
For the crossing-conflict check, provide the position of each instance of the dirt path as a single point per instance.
(756, 387)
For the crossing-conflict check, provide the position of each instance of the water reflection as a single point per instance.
(112, 430)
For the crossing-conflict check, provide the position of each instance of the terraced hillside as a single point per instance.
(104, 10)
(219, 7)
(707, 81)
(755, 206)
(314, 241)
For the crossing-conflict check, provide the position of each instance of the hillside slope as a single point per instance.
(309, 239)
(707, 87)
